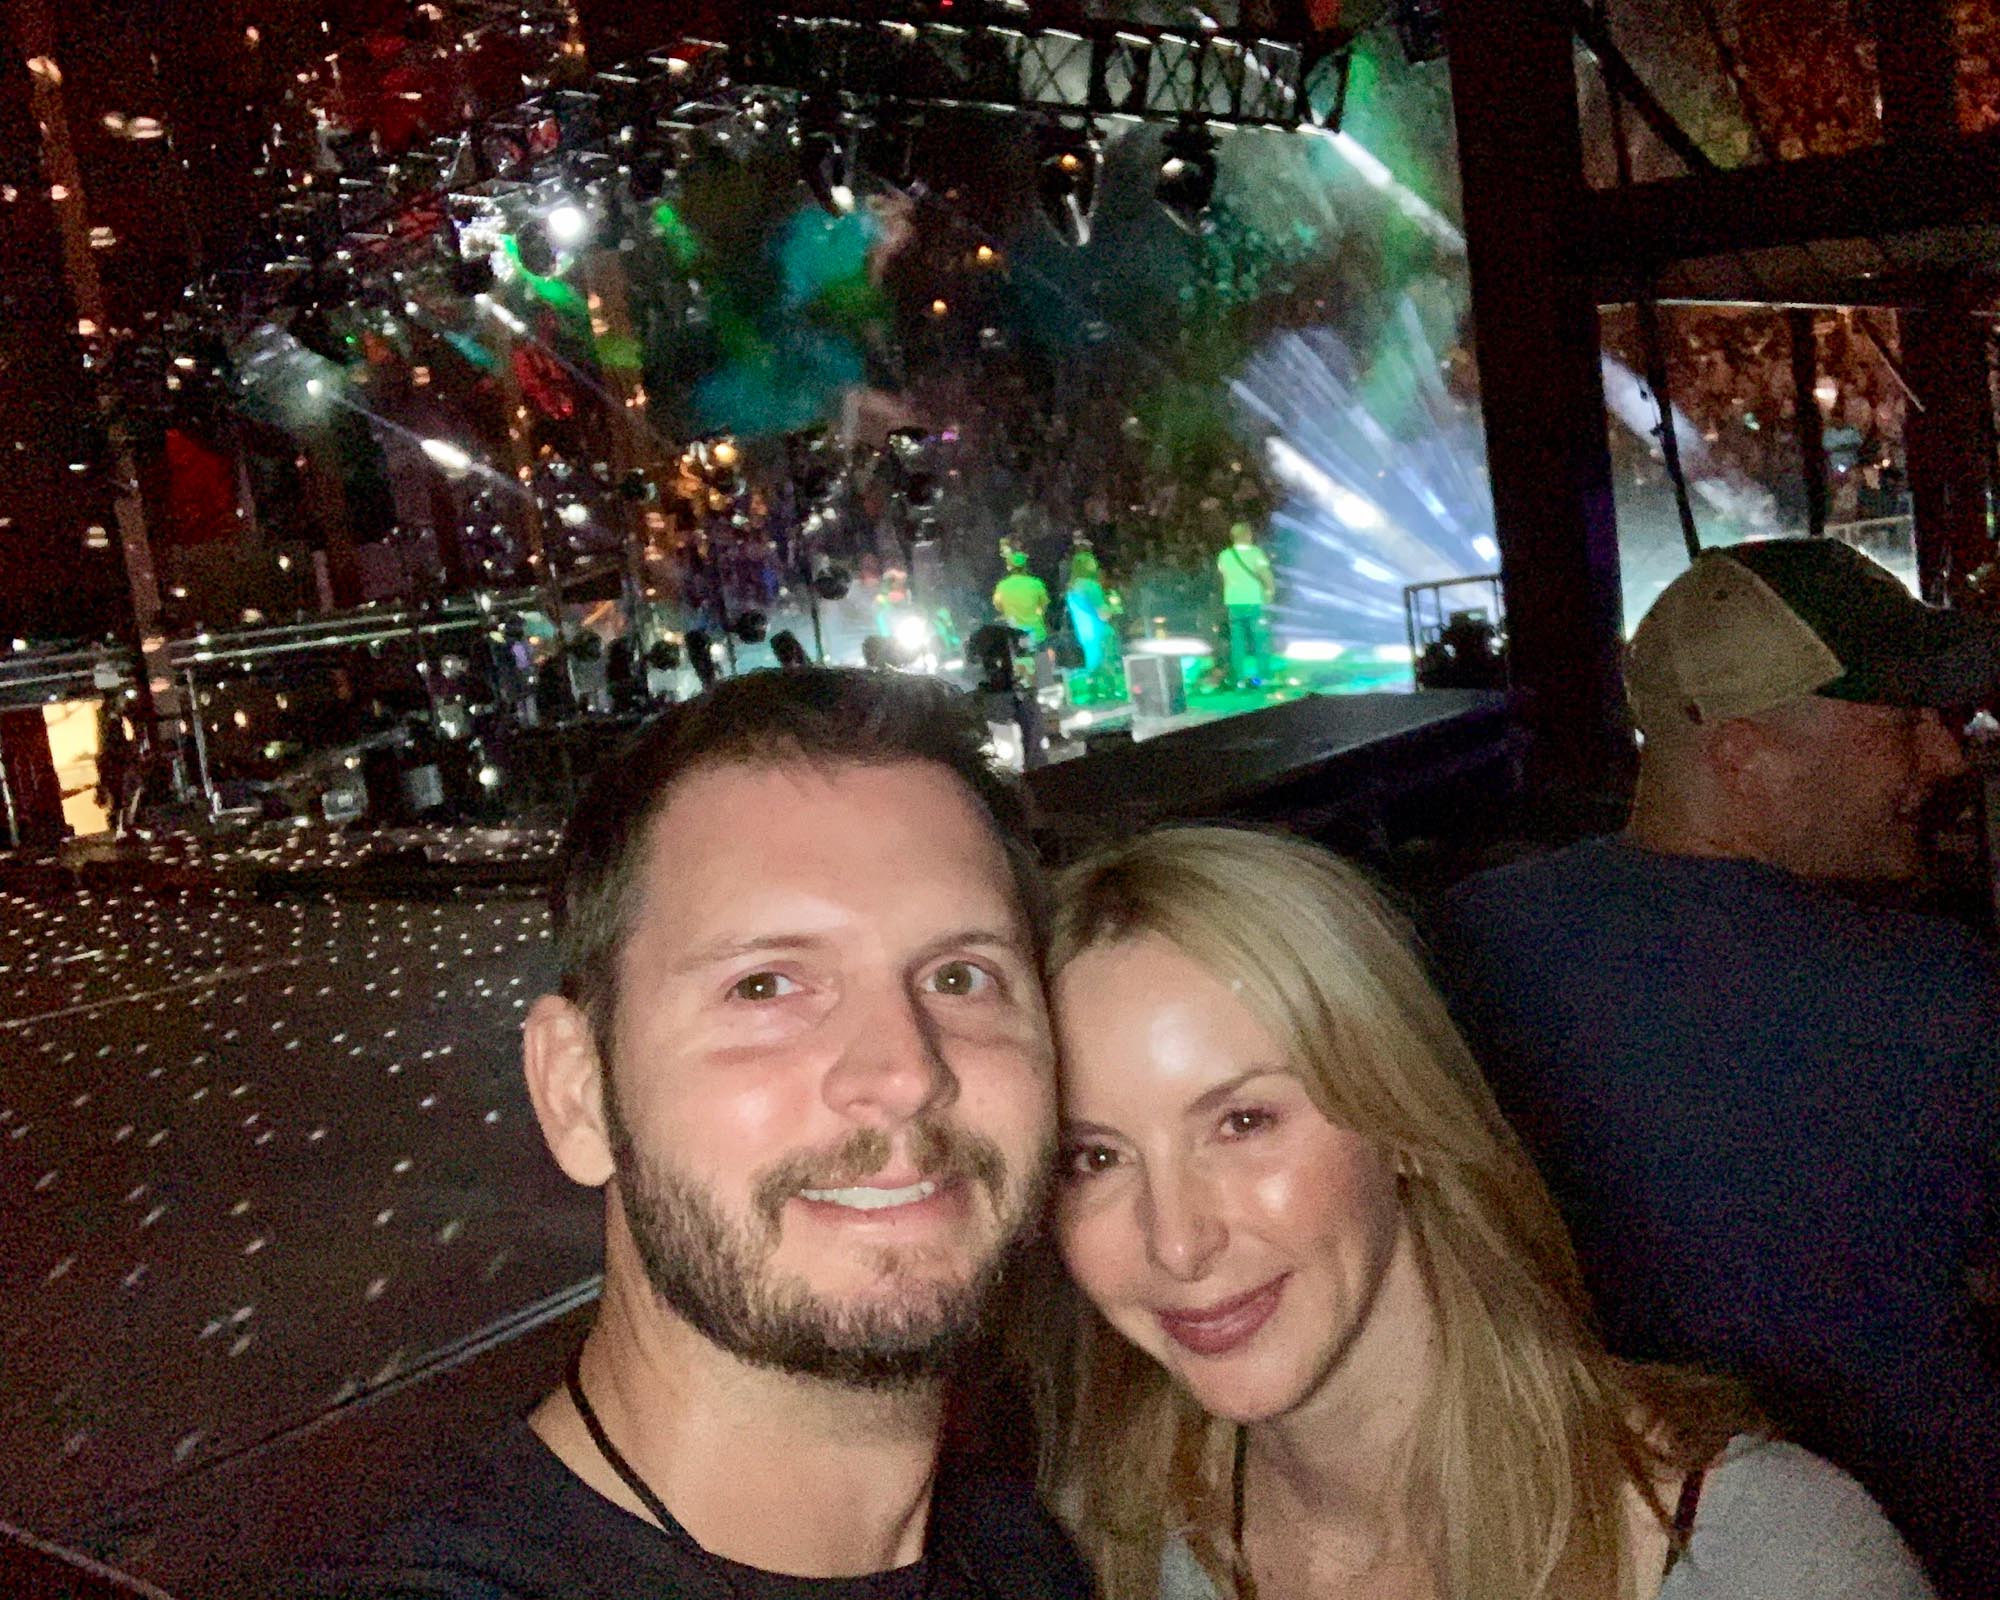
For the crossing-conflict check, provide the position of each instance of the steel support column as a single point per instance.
(1949, 446)
(1799, 322)
(1537, 341)
(1948, 438)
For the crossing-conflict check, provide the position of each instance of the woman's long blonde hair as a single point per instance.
(1534, 1434)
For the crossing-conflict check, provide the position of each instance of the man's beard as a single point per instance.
(714, 1271)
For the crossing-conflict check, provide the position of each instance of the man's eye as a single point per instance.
(961, 978)
(762, 986)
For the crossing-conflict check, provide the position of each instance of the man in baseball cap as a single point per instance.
(1789, 695)
(1771, 1111)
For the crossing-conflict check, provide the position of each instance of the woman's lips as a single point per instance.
(1225, 1326)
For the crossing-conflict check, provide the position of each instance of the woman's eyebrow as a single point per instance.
(1222, 1091)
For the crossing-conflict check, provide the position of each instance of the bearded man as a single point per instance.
(801, 1044)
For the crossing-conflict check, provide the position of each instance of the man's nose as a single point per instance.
(891, 1068)
(1183, 1227)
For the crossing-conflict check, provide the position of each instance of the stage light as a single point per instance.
(647, 176)
(567, 225)
(913, 634)
(700, 650)
(826, 161)
(830, 583)
(575, 514)
(1066, 181)
(315, 332)
(1186, 184)
(472, 276)
(447, 455)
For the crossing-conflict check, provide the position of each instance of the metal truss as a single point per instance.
(1229, 77)
(383, 211)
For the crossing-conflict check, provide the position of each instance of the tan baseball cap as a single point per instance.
(1750, 627)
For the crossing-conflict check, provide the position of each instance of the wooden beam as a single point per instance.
(1541, 388)
(1623, 80)
(1631, 233)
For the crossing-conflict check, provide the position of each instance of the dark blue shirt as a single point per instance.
(1771, 1117)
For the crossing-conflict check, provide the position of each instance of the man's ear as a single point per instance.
(566, 1083)
(1746, 760)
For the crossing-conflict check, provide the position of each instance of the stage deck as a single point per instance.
(258, 1161)
(1314, 761)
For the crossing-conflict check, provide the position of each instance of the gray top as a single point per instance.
(1775, 1523)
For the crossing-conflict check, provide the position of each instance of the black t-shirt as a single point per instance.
(522, 1526)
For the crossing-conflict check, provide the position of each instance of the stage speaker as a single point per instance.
(1157, 688)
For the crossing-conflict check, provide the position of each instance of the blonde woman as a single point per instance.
(1335, 1342)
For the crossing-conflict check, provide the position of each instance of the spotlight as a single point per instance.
(646, 178)
(1187, 176)
(1066, 181)
(536, 252)
(472, 276)
(567, 225)
(700, 650)
(830, 583)
(826, 162)
(315, 332)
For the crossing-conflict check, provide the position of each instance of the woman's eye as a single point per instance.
(762, 986)
(1247, 1120)
(961, 978)
(1088, 1160)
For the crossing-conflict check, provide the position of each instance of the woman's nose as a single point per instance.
(1184, 1229)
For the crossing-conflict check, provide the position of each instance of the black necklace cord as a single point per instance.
(613, 1457)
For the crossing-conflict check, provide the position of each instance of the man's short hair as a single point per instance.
(826, 716)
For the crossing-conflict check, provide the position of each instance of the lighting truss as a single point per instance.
(993, 56)
(1102, 69)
